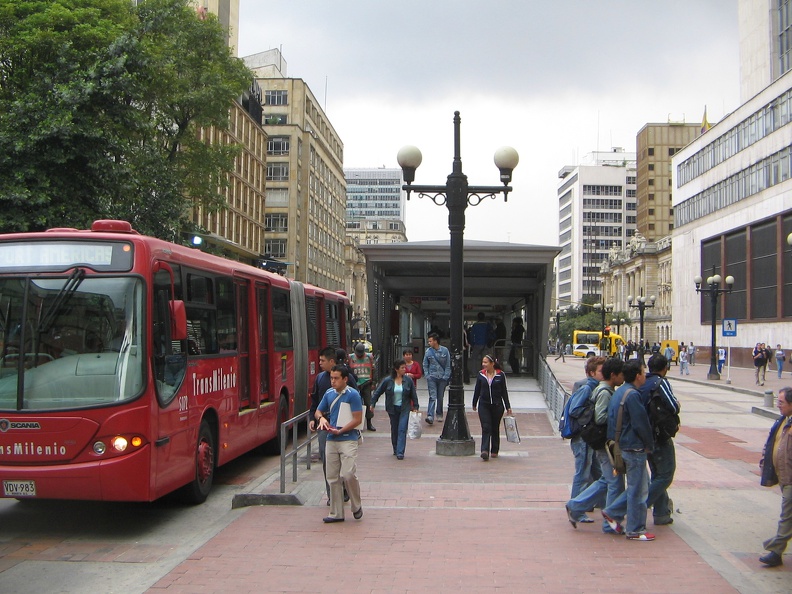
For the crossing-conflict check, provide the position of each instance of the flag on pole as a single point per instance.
(705, 125)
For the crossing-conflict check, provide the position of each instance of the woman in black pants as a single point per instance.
(494, 397)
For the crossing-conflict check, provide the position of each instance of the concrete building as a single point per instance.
(305, 211)
(733, 197)
(375, 206)
(655, 145)
(597, 206)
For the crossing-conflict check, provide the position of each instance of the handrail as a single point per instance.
(284, 428)
(555, 394)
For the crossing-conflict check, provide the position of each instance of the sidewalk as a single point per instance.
(459, 524)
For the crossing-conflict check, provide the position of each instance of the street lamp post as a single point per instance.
(641, 305)
(604, 341)
(456, 194)
(618, 324)
(714, 290)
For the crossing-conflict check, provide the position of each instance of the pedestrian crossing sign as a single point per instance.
(729, 327)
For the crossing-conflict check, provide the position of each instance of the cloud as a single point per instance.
(555, 80)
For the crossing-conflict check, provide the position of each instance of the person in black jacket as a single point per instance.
(400, 399)
(491, 396)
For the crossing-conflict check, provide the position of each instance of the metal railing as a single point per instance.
(555, 394)
(296, 447)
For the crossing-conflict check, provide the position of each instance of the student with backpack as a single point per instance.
(664, 417)
(585, 469)
(595, 425)
(627, 415)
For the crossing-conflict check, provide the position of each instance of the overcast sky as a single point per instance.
(554, 79)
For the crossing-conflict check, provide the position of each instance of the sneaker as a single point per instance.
(614, 525)
(663, 521)
(570, 517)
(584, 519)
(439, 417)
(494, 455)
(485, 456)
(429, 420)
(645, 537)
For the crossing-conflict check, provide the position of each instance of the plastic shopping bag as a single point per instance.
(414, 425)
(510, 426)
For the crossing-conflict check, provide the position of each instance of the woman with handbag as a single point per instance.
(490, 397)
(400, 399)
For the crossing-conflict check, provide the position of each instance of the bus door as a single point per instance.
(267, 401)
(246, 368)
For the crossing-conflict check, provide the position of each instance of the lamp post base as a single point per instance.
(713, 374)
(451, 447)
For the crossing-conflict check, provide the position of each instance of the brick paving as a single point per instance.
(448, 524)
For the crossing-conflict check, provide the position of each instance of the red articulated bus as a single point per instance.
(131, 367)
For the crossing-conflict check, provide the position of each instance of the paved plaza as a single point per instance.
(459, 524)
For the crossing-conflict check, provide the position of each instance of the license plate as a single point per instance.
(19, 488)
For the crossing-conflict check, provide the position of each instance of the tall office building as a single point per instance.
(305, 209)
(375, 205)
(733, 196)
(656, 144)
(597, 212)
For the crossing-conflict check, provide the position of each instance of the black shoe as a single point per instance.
(346, 496)
(430, 420)
(485, 456)
(571, 518)
(399, 457)
(359, 513)
(771, 559)
(370, 427)
(332, 520)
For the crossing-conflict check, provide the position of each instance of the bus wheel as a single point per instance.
(273, 446)
(198, 490)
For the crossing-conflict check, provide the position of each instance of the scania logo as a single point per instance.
(5, 425)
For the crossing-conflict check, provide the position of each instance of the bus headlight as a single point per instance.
(120, 443)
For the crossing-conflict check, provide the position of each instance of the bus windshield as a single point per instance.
(70, 341)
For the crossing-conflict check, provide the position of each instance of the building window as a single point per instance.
(278, 145)
(651, 166)
(671, 151)
(650, 181)
(277, 172)
(651, 211)
(275, 248)
(651, 196)
(650, 152)
(276, 97)
(276, 222)
(275, 119)
(277, 197)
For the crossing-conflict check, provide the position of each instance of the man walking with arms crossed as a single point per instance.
(776, 468)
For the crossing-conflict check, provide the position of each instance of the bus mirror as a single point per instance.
(178, 320)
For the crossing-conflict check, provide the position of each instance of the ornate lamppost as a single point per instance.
(618, 323)
(456, 195)
(641, 305)
(714, 290)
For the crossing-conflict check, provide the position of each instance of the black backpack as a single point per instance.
(594, 435)
(665, 421)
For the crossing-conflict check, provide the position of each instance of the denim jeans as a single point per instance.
(583, 458)
(601, 492)
(662, 464)
(490, 416)
(436, 388)
(398, 423)
(780, 364)
(632, 502)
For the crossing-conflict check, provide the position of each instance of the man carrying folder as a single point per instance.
(340, 413)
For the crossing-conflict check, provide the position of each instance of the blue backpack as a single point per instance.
(570, 425)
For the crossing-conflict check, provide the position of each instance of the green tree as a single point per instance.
(101, 110)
